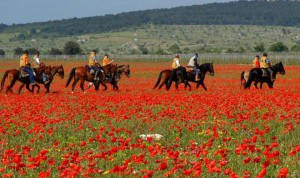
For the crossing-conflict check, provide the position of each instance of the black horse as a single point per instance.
(256, 75)
(204, 68)
(164, 76)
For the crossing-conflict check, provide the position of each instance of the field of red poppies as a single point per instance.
(137, 131)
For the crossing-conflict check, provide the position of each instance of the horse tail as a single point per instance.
(3, 79)
(158, 80)
(72, 75)
(242, 78)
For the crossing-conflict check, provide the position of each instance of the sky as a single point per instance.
(28, 11)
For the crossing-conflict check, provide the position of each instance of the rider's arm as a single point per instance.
(177, 62)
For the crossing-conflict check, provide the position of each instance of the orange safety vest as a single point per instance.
(24, 60)
(105, 61)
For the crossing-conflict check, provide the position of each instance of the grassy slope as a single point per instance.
(193, 37)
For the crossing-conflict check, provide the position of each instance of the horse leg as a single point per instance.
(10, 86)
(21, 86)
(203, 85)
(270, 85)
(104, 85)
(255, 84)
(82, 85)
(38, 90)
(74, 84)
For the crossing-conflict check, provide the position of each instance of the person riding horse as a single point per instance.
(25, 66)
(37, 63)
(193, 63)
(106, 68)
(265, 65)
(255, 62)
(93, 63)
(175, 65)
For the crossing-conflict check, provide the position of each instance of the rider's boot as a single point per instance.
(96, 75)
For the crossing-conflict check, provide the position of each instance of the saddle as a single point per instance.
(189, 68)
(23, 73)
(265, 72)
(90, 70)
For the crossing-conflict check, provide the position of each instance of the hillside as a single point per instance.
(190, 38)
(279, 13)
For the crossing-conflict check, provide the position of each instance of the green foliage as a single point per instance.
(241, 12)
(278, 47)
(2, 52)
(72, 47)
(143, 49)
(32, 50)
(295, 48)
(259, 47)
(18, 51)
(174, 49)
(160, 51)
(55, 51)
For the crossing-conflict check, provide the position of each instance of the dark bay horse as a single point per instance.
(82, 74)
(256, 76)
(204, 68)
(13, 75)
(122, 69)
(179, 77)
(55, 70)
(111, 75)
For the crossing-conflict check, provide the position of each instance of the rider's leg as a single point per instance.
(196, 73)
(31, 76)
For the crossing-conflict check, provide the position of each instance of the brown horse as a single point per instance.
(122, 69)
(14, 75)
(82, 74)
(55, 70)
(111, 75)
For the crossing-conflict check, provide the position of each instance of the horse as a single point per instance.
(204, 68)
(122, 69)
(16, 75)
(82, 74)
(179, 77)
(256, 75)
(55, 70)
(111, 75)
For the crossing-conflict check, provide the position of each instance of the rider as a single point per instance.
(266, 64)
(106, 61)
(175, 65)
(25, 65)
(194, 64)
(256, 62)
(93, 63)
(37, 63)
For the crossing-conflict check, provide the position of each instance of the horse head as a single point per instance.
(60, 71)
(281, 68)
(211, 69)
(124, 69)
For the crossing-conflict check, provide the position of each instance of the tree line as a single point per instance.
(279, 13)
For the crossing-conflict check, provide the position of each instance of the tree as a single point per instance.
(32, 50)
(174, 49)
(72, 47)
(18, 51)
(143, 49)
(259, 47)
(2, 52)
(278, 47)
(55, 51)
(295, 48)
